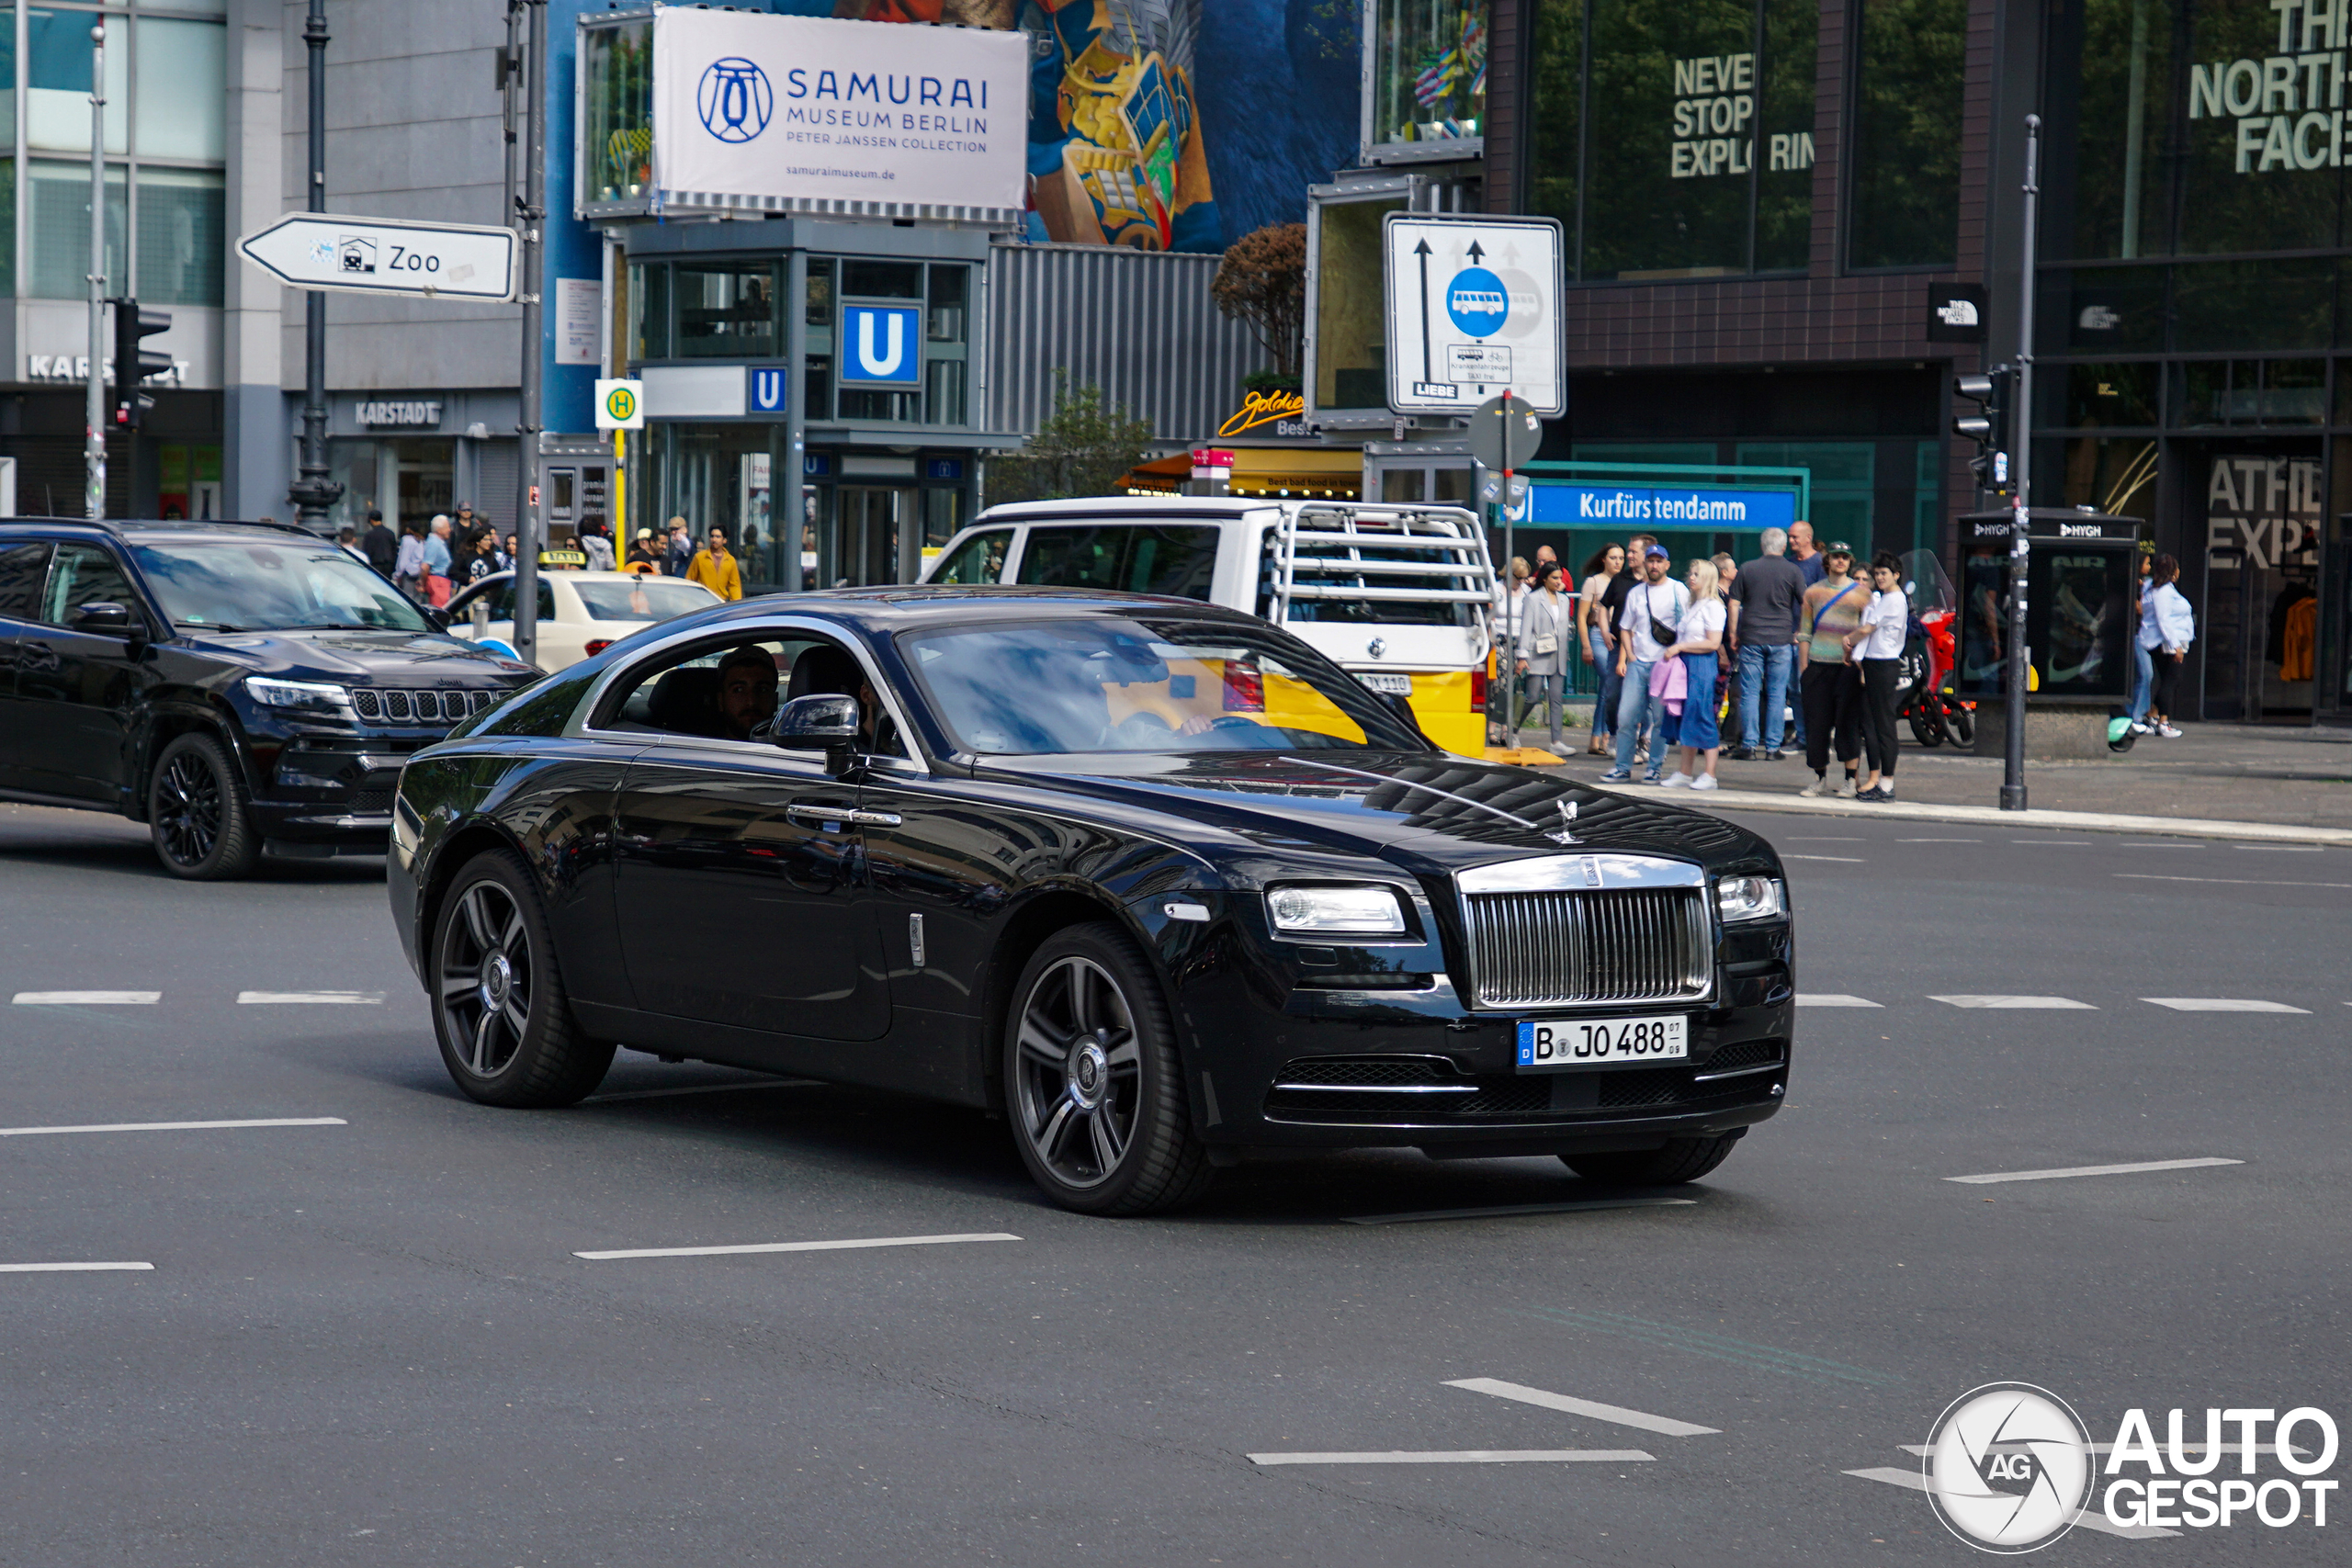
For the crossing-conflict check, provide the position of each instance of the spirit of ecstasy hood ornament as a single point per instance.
(1567, 835)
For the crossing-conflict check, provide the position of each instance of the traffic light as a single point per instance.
(1988, 427)
(132, 364)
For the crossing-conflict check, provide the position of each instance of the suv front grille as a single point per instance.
(1553, 949)
(387, 704)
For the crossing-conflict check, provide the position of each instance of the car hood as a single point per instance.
(412, 659)
(1423, 813)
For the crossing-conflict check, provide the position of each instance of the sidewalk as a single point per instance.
(2277, 776)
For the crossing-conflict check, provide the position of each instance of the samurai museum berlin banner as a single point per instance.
(814, 113)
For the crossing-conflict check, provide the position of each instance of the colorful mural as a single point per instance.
(1132, 140)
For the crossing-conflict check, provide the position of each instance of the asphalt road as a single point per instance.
(373, 1342)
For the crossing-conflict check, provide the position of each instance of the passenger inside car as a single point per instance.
(747, 689)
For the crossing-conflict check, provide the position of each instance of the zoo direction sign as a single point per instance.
(386, 256)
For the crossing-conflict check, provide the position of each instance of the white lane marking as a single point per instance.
(2233, 881)
(1833, 999)
(700, 1088)
(794, 1246)
(1991, 1177)
(1616, 1414)
(2220, 1004)
(1470, 1456)
(324, 998)
(2286, 849)
(1509, 1210)
(2067, 843)
(75, 1267)
(1939, 840)
(2089, 1520)
(175, 1126)
(2162, 845)
(1842, 860)
(87, 998)
(2044, 1003)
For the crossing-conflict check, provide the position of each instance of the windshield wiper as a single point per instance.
(337, 627)
(212, 626)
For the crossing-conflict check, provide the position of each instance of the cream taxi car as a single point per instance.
(581, 613)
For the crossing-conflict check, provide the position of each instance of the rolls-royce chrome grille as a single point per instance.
(1588, 930)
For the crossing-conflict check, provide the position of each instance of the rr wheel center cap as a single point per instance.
(1088, 1075)
(497, 982)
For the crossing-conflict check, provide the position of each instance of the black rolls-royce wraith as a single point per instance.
(1155, 879)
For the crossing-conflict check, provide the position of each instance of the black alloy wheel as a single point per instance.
(1927, 716)
(500, 1010)
(1092, 1079)
(1959, 718)
(199, 812)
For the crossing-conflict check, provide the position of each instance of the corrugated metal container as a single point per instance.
(1140, 324)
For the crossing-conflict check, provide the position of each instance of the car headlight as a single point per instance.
(1750, 899)
(301, 697)
(1336, 911)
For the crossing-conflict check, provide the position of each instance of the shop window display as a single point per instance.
(1430, 72)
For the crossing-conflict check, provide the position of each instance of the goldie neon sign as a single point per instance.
(1262, 408)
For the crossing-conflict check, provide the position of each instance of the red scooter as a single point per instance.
(1930, 657)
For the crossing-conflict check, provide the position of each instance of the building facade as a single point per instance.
(1765, 202)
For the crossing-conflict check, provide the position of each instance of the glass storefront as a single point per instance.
(2195, 280)
(1675, 142)
(1429, 77)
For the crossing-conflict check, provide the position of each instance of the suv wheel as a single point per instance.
(199, 812)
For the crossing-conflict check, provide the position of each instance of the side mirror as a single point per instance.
(440, 618)
(104, 618)
(819, 722)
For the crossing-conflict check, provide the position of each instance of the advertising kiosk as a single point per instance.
(2082, 592)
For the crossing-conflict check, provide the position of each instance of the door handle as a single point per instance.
(842, 814)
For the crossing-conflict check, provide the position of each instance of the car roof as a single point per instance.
(150, 529)
(899, 607)
(1208, 508)
(558, 573)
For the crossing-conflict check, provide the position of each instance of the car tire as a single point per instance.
(1682, 1159)
(1093, 1085)
(199, 812)
(500, 1014)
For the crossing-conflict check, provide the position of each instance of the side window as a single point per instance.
(978, 561)
(23, 568)
(1123, 557)
(85, 574)
(726, 690)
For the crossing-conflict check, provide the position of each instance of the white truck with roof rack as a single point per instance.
(1401, 596)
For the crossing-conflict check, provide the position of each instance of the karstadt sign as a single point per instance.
(813, 114)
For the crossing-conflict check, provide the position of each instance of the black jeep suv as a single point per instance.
(235, 687)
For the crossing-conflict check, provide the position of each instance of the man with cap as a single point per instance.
(1648, 624)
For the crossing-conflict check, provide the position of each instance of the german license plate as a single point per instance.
(1390, 685)
(1602, 1042)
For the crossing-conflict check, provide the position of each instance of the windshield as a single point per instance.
(1144, 684)
(648, 599)
(272, 585)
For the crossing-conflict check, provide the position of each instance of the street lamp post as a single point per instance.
(94, 448)
(2013, 794)
(314, 494)
(530, 215)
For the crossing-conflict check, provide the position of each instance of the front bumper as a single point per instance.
(1343, 1055)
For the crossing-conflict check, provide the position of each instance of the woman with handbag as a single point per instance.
(1548, 623)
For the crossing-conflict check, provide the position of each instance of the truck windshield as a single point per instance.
(272, 585)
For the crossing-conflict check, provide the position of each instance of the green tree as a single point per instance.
(1083, 448)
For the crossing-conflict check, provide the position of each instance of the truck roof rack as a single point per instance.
(1367, 542)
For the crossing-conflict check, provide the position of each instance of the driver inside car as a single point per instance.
(830, 671)
(747, 691)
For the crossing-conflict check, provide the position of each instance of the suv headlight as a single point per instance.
(1750, 899)
(1335, 911)
(301, 697)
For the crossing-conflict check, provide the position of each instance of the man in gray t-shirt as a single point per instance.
(1766, 600)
